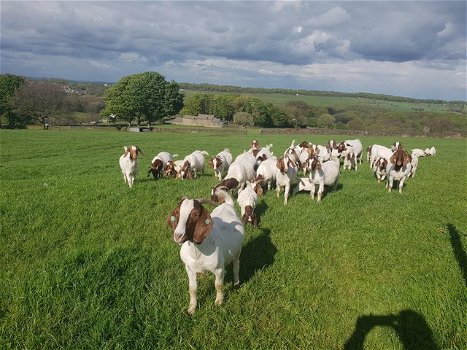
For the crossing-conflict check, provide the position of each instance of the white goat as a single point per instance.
(247, 199)
(193, 163)
(286, 175)
(129, 164)
(322, 174)
(418, 152)
(209, 242)
(414, 163)
(357, 148)
(159, 163)
(263, 154)
(431, 151)
(221, 163)
(240, 171)
(378, 151)
(266, 172)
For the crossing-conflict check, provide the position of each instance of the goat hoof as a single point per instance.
(218, 302)
(236, 285)
(191, 311)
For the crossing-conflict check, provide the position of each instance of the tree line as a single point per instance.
(148, 98)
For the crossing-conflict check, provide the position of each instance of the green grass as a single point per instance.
(338, 102)
(87, 263)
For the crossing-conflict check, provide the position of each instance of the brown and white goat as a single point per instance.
(129, 163)
(398, 168)
(209, 242)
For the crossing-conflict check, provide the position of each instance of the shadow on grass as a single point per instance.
(458, 250)
(257, 254)
(411, 327)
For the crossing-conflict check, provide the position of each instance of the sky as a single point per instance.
(403, 48)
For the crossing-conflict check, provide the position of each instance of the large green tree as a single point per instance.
(8, 85)
(145, 97)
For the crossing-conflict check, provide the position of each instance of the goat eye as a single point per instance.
(172, 218)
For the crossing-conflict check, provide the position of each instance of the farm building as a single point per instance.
(207, 120)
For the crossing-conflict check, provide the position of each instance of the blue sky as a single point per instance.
(405, 48)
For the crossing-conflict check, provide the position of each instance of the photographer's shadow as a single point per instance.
(411, 327)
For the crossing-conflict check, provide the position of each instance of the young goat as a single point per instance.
(379, 168)
(159, 163)
(240, 171)
(286, 175)
(129, 164)
(221, 163)
(209, 242)
(350, 161)
(322, 174)
(247, 199)
(193, 163)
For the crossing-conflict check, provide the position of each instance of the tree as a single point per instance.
(38, 101)
(325, 121)
(223, 106)
(278, 116)
(8, 85)
(197, 104)
(243, 118)
(144, 96)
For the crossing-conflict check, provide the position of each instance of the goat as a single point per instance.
(357, 148)
(240, 171)
(321, 174)
(379, 168)
(378, 151)
(129, 163)
(266, 174)
(221, 163)
(286, 175)
(247, 199)
(263, 154)
(209, 242)
(254, 148)
(396, 145)
(414, 163)
(350, 161)
(398, 168)
(430, 151)
(418, 152)
(159, 163)
(193, 162)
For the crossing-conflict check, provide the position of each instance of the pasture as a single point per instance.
(88, 263)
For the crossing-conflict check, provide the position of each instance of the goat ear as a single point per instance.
(203, 226)
(393, 158)
(407, 159)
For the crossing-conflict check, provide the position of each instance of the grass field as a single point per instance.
(338, 102)
(87, 263)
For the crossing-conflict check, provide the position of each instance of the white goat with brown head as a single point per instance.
(209, 242)
(129, 163)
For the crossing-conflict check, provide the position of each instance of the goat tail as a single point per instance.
(205, 153)
(174, 155)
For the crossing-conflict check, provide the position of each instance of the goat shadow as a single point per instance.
(458, 250)
(410, 326)
(327, 190)
(257, 254)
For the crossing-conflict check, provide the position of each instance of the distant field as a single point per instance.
(87, 263)
(340, 102)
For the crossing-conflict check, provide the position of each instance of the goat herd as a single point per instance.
(211, 241)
